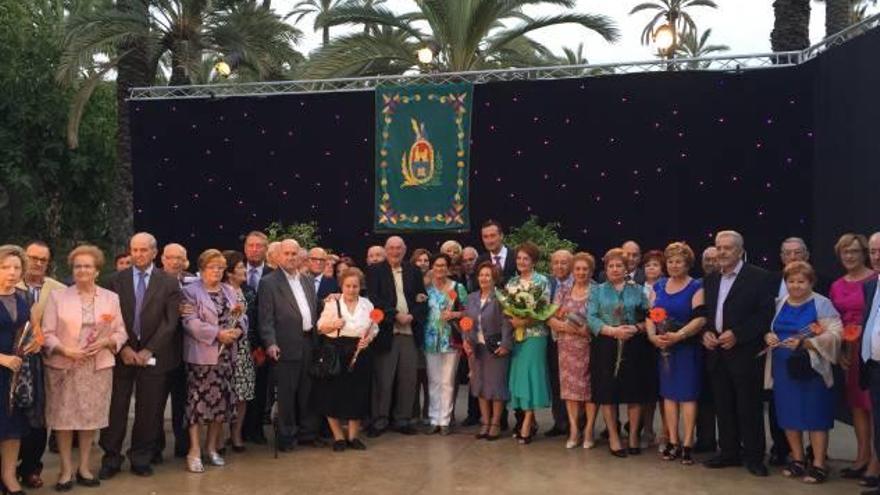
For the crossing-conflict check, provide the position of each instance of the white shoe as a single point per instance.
(570, 444)
(194, 465)
(215, 459)
(589, 443)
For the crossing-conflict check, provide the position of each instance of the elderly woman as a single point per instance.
(245, 372)
(681, 363)
(210, 345)
(624, 364)
(529, 382)
(14, 314)
(847, 295)
(346, 397)
(445, 296)
(805, 337)
(83, 330)
(652, 263)
(573, 339)
(488, 345)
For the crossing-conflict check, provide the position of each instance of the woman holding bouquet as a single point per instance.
(529, 383)
(805, 337)
(245, 374)
(679, 301)
(573, 339)
(624, 369)
(14, 314)
(210, 345)
(489, 346)
(441, 355)
(348, 323)
(83, 330)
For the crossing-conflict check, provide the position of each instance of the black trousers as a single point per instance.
(252, 429)
(872, 374)
(560, 415)
(737, 391)
(707, 438)
(176, 389)
(149, 388)
(30, 454)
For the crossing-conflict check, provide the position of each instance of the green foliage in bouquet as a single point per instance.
(545, 236)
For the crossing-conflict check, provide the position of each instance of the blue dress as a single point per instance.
(682, 370)
(801, 405)
(13, 425)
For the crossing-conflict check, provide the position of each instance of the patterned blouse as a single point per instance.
(607, 306)
(438, 333)
(539, 329)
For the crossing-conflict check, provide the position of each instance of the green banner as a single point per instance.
(423, 157)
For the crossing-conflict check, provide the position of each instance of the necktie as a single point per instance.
(317, 284)
(35, 293)
(252, 278)
(139, 293)
(497, 259)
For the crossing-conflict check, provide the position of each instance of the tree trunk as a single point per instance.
(791, 28)
(131, 72)
(326, 36)
(838, 16)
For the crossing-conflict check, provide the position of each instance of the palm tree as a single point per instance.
(791, 27)
(574, 57)
(838, 15)
(694, 45)
(305, 8)
(464, 35)
(672, 12)
(140, 39)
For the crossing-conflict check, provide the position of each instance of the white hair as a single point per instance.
(736, 236)
(797, 240)
(149, 237)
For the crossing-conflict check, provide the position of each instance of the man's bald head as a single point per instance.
(173, 259)
(395, 250)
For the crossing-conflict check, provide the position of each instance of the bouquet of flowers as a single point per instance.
(525, 300)
(236, 313)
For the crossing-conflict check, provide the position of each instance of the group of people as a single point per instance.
(335, 350)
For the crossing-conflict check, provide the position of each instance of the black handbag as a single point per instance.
(493, 342)
(799, 366)
(23, 393)
(325, 359)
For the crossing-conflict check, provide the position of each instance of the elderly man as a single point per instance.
(38, 285)
(397, 288)
(634, 271)
(469, 267)
(174, 262)
(288, 314)
(324, 285)
(560, 268)
(874, 251)
(272, 254)
(375, 255)
(709, 260)
(256, 245)
(739, 306)
(149, 299)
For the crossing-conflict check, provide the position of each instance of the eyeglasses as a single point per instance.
(35, 259)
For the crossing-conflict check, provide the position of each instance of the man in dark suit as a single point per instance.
(492, 234)
(149, 299)
(324, 286)
(739, 306)
(174, 262)
(288, 325)
(398, 289)
(256, 250)
(870, 356)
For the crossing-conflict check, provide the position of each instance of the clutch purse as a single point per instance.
(576, 319)
(493, 342)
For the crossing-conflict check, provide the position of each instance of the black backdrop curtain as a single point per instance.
(654, 157)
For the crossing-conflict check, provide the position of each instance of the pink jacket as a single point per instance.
(62, 325)
(200, 344)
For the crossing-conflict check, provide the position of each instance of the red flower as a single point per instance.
(466, 324)
(851, 333)
(377, 315)
(106, 317)
(452, 295)
(259, 356)
(657, 315)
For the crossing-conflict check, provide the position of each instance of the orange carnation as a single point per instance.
(657, 315)
(106, 317)
(466, 324)
(851, 333)
(377, 315)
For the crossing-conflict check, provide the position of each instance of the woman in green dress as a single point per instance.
(529, 383)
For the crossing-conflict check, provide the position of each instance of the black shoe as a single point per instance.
(375, 432)
(238, 449)
(64, 487)
(617, 453)
(107, 472)
(757, 469)
(356, 444)
(406, 430)
(555, 432)
(433, 430)
(634, 451)
(157, 458)
(339, 446)
(853, 473)
(870, 481)
(89, 482)
(719, 462)
(143, 471)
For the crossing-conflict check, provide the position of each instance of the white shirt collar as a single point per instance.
(148, 270)
(294, 276)
(735, 271)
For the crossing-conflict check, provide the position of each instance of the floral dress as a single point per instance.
(438, 333)
(574, 351)
(210, 395)
(245, 373)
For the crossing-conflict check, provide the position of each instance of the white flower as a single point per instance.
(511, 290)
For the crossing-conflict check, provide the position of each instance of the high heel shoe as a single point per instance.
(494, 427)
(621, 453)
(484, 432)
(524, 440)
(853, 473)
(64, 487)
(194, 465)
(671, 452)
(687, 458)
(570, 444)
(89, 482)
